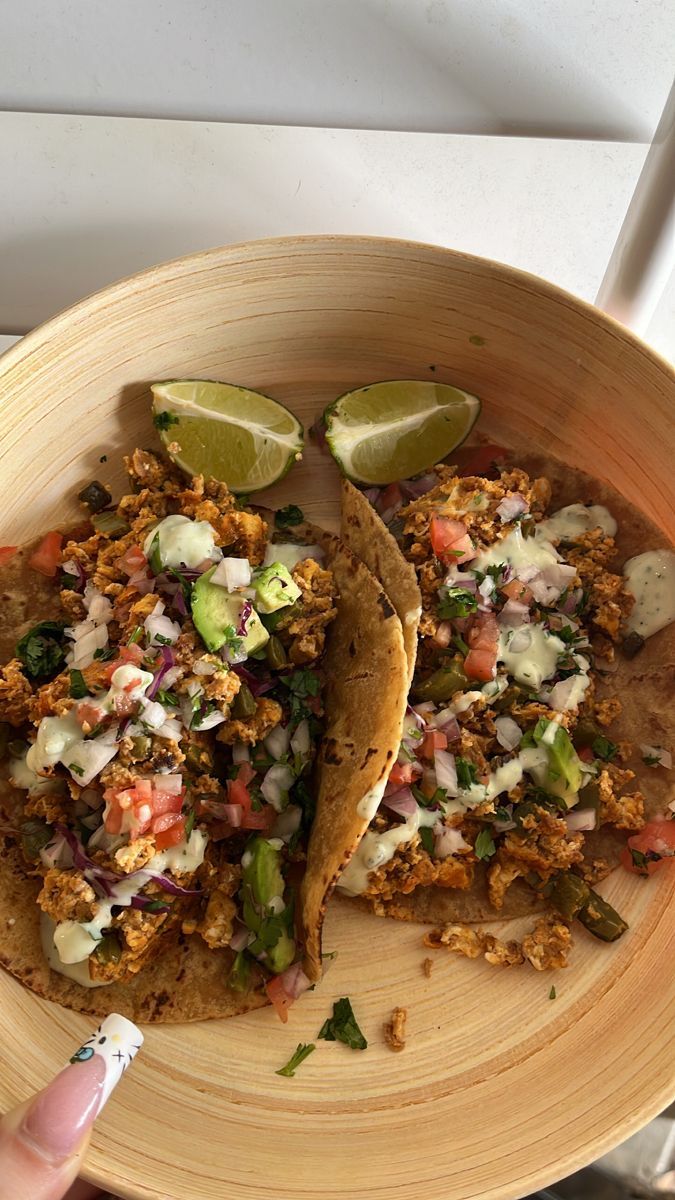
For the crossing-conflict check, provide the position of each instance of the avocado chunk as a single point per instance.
(564, 775)
(275, 588)
(263, 882)
(217, 615)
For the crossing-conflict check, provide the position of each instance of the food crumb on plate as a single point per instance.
(394, 1029)
(427, 965)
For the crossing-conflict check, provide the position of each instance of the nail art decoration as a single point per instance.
(117, 1041)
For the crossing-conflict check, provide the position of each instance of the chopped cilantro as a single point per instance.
(41, 649)
(502, 814)
(239, 978)
(77, 769)
(190, 824)
(168, 699)
(460, 644)
(651, 760)
(641, 859)
(567, 635)
(300, 684)
(103, 458)
(78, 687)
(232, 641)
(155, 906)
(342, 1026)
(456, 602)
(427, 839)
(136, 636)
(484, 846)
(604, 749)
(466, 773)
(552, 994)
(163, 641)
(104, 655)
(438, 797)
(154, 558)
(284, 518)
(303, 1051)
(164, 420)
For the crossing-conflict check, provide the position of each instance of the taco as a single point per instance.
(520, 774)
(162, 700)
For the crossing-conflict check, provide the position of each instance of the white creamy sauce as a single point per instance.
(182, 541)
(574, 519)
(536, 661)
(128, 681)
(376, 849)
(79, 971)
(369, 804)
(55, 736)
(519, 552)
(651, 579)
(74, 941)
(22, 776)
(289, 554)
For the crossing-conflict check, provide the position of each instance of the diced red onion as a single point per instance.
(443, 634)
(258, 684)
(560, 695)
(240, 752)
(301, 742)
(276, 784)
(521, 641)
(56, 853)
(105, 880)
(88, 638)
(547, 585)
(172, 730)
(511, 506)
(159, 626)
(447, 841)
(664, 757)
(232, 573)
(508, 732)
(89, 757)
(446, 722)
(202, 667)
(446, 771)
(294, 981)
(486, 587)
(91, 797)
(233, 813)
(246, 610)
(288, 822)
(402, 802)
(580, 820)
(168, 661)
(513, 614)
(571, 601)
(277, 741)
(503, 826)
(372, 495)
(73, 567)
(210, 721)
(98, 606)
(240, 939)
(424, 711)
(142, 582)
(527, 572)
(171, 784)
(153, 715)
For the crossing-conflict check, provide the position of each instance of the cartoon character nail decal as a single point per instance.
(117, 1041)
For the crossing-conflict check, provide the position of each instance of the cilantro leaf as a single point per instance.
(456, 602)
(41, 649)
(427, 839)
(78, 687)
(303, 1051)
(77, 769)
(466, 773)
(604, 749)
(342, 1026)
(641, 859)
(284, 518)
(164, 420)
(552, 994)
(484, 846)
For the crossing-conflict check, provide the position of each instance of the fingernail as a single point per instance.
(65, 1111)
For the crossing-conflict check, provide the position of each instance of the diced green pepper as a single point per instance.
(244, 704)
(34, 836)
(443, 684)
(109, 949)
(276, 655)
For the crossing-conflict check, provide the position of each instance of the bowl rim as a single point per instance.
(302, 242)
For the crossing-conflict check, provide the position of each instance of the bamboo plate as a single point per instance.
(500, 1090)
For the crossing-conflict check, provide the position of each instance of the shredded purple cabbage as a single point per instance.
(143, 902)
(97, 876)
(257, 684)
(168, 662)
(174, 889)
(247, 609)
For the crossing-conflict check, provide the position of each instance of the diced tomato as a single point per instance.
(482, 637)
(166, 802)
(402, 773)
(88, 715)
(450, 540)
(515, 590)
(479, 460)
(586, 754)
(389, 501)
(168, 834)
(279, 997)
(657, 837)
(132, 561)
(143, 808)
(133, 655)
(245, 774)
(263, 819)
(48, 554)
(433, 740)
(238, 793)
(7, 552)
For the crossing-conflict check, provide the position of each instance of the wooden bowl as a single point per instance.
(500, 1090)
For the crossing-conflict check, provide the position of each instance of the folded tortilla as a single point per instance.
(186, 981)
(645, 684)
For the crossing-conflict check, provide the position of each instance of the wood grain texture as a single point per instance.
(499, 1089)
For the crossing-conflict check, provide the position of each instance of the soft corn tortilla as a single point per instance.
(367, 683)
(645, 685)
(365, 664)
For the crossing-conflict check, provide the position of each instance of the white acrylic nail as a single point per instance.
(117, 1041)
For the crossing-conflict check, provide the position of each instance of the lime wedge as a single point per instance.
(392, 430)
(243, 438)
